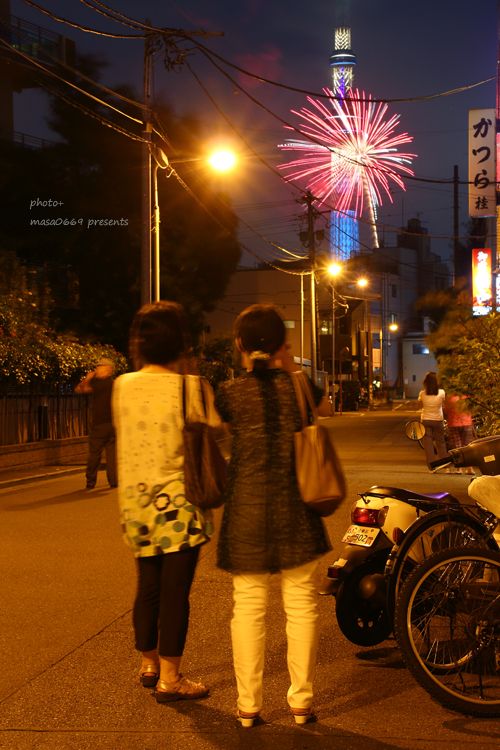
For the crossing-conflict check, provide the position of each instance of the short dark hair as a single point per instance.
(260, 329)
(159, 334)
(430, 384)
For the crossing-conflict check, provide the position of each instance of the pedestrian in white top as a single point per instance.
(432, 399)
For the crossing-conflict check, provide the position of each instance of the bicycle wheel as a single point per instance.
(434, 532)
(447, 627)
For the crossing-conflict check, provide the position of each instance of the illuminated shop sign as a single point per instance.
(482, 294)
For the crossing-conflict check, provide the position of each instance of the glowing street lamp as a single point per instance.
(393, 327)
(222, 160)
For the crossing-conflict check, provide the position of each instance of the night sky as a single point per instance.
(403, 50)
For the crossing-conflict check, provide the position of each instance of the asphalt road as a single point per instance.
(68, 675)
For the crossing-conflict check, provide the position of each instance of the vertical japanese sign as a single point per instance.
(482, 291)
(482, 162)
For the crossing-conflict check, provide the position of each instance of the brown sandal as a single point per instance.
(182, 690)
(149, 675)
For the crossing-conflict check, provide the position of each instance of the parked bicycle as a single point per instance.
(392, 531)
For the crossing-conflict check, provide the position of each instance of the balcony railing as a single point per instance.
(32, 40)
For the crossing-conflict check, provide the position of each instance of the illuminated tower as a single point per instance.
(342, 58)
(344, 231)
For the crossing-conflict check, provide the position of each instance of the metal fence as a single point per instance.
(28, 416)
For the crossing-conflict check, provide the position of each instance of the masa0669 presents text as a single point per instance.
(80, 222)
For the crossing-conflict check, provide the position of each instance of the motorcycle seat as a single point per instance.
(426, 502)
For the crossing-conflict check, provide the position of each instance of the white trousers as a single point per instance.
(248, 632)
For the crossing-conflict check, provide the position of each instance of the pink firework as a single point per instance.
(355, 154)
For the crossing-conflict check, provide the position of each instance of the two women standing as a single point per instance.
(266, 527)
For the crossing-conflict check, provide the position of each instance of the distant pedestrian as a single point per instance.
(102, 433)
(266, 527)
(459, 422)
(164, 532)
(432, 400)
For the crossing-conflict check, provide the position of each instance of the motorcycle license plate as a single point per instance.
(361, 535)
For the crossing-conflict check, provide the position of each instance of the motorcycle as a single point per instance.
(392, 531)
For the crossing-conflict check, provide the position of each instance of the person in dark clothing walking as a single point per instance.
(102, 434)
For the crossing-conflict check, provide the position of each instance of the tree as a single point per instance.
(31, 353)
(95, 174)
(468, 352)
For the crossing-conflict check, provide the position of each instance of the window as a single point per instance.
(289, 323)
(420, 349)
(325, 327)
(394, 319)
(414, 378)
(394, 290)
(376, 340)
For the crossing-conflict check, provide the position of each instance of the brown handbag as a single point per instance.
(319, 473)
(205, 468)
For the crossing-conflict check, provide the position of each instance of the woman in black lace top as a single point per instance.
(266, 526)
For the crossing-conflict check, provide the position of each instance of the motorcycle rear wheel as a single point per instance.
(447, 627)
(360, 621)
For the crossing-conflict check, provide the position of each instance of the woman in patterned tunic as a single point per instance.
(266, 526)
(163, 531)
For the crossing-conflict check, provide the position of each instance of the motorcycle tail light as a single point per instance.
(365, 516)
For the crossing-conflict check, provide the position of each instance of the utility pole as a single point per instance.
(174, 57)
(456, 244)
(146, 176)
(309, 237)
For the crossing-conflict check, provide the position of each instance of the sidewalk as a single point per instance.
(13, 477)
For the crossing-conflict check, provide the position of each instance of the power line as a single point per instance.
(60, 78)
(73, 70)
(294, 184)
(82, 28)
(134, 23)
(208, 51)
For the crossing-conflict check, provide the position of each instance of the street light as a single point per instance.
(221, 160)
(334, 269)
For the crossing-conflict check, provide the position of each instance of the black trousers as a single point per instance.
(162, 601)
(102, 436)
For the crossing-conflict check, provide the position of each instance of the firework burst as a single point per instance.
(355, 155)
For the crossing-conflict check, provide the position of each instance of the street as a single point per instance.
(69, 672)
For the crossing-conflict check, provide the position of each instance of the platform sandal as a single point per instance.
(245, 719)
(302, 715)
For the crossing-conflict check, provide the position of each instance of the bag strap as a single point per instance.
(203, 383)
(304, 396)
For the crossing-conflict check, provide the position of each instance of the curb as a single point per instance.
(40, 477)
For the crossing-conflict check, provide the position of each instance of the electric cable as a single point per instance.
(300, 189)
(82, 28)
(89, 112)
(134, 23)
(318, 143)
(15, 30)
(459, 90)
(60, 78)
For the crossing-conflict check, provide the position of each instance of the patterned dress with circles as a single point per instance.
(148, 418)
